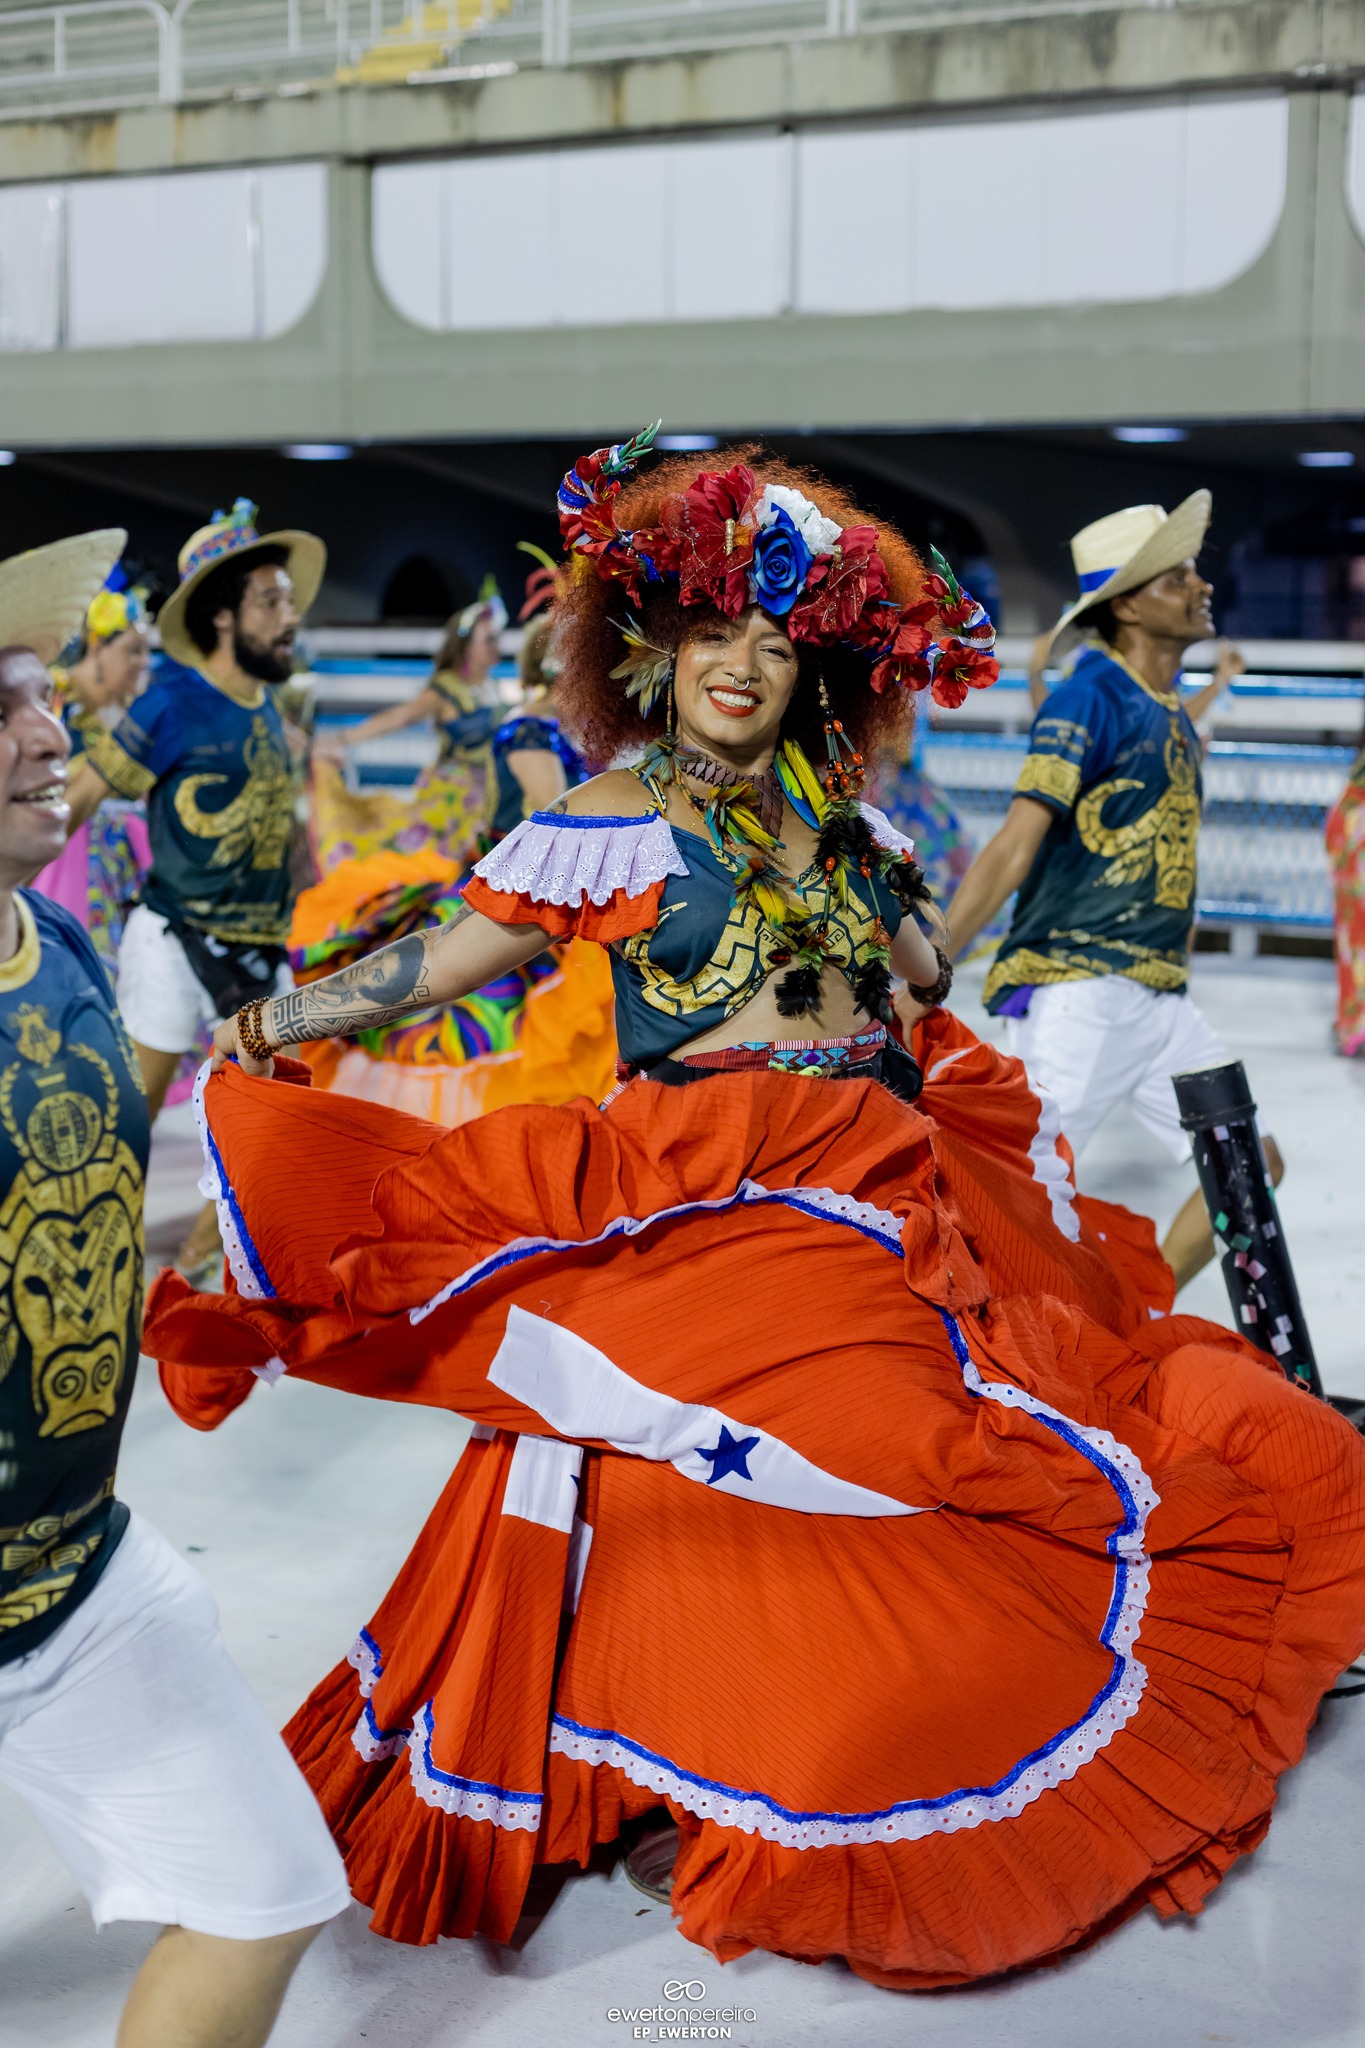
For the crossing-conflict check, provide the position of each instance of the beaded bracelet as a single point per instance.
(936, 991)
(250, 1036)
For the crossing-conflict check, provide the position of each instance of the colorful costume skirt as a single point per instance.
(99, 872)
(1346, 851)
(543, 1033)
(833, 1486)
(919, 809)
(446, 812)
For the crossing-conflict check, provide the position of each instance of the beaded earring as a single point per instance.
(669, 732)
(844, 773)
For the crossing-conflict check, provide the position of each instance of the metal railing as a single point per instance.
(91, 54)
(1262, 861)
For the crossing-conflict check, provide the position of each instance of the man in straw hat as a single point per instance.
(206, 747)
(123, 1723)
(1100, 845)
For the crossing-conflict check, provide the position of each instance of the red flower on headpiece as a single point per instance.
(904, 665)
(586, 516)
(704, 543)
(961, 669)
(845, 592)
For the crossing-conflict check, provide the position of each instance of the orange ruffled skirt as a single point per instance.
(833, 1486)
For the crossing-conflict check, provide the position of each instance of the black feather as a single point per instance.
(872, 989)
(908, 885)
(798, 992)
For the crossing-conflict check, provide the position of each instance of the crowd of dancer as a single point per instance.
(607, 1092)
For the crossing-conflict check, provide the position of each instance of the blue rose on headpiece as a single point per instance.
(781, 559)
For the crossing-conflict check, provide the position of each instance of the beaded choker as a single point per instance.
(746, 845)
(765, 789)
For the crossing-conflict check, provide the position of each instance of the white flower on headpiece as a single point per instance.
(821, 535)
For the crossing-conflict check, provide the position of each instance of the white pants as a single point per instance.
(152, 1766)
(161, 998)
(1094, 1044)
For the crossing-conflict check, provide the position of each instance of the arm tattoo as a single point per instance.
(394, 982)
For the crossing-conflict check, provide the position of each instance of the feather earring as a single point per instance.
(646, 669)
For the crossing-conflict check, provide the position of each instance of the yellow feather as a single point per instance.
(805, 776)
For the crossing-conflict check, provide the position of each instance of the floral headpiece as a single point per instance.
(731, 542)
(487, 605)
(115, 608)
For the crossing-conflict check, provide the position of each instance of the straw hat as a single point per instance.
(44, 593)
(1126, 549)
(228, 534)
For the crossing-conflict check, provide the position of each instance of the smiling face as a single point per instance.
(1177, 605)
(733, 683)
(34, 749)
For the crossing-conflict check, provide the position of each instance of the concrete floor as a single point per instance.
(299, 1510)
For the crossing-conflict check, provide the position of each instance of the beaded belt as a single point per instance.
(815, 1057)
(812, 1059)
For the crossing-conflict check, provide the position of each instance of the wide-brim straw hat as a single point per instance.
(228, 534)
(44, 594)
(1126, 549)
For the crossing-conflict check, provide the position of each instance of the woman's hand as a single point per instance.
(227, 1046)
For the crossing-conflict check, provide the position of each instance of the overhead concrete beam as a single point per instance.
(1008, 60)
(1282, 340)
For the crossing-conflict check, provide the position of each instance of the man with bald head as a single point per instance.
(123, 1723)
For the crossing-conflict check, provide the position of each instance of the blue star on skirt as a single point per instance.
(731, 1454)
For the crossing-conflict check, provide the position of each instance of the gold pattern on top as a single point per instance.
(113, 761)
(1027, 968)
(22, 964)
(1050, 776)
(1165, 836)
(70, 1232)
(49, 1572)
(36, 1039)
(258, 820)
(744, 954)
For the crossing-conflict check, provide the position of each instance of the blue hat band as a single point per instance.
(1093, 579)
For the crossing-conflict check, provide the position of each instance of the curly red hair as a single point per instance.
(607, 724)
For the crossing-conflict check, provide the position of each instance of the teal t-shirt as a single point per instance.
(1112, 888)
(73, 1154)
(220, 803)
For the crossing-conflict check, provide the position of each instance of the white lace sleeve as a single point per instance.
(553, 857)
(885, 833)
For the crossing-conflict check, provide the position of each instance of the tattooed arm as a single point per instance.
(423, 969)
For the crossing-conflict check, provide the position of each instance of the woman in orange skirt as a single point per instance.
(840, 1483)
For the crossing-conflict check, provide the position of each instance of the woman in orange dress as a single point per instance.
(840, 1483)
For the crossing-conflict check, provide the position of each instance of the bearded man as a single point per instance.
(205, 746)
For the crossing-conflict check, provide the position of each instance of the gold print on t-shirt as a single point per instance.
(1164, 837)
(258, 820)
(70, 1231)
(744, 953)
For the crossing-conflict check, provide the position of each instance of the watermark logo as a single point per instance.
(683, 2016)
